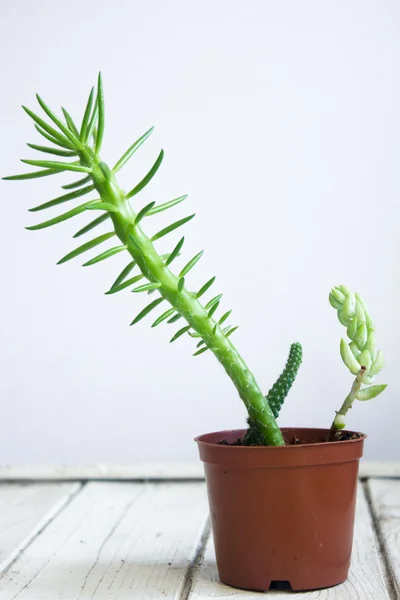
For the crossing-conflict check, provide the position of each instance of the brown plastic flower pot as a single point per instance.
(282, 513)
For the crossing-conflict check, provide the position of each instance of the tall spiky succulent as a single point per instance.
(360, 355)
(83, 145)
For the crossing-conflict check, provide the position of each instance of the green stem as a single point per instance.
(347, 404)
(153, 268)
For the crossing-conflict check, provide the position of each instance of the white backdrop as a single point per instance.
(281, 121)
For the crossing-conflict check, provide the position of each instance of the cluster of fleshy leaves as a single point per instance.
(362, 350)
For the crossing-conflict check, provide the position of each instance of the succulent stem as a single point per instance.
(339, 421)
(185, 302)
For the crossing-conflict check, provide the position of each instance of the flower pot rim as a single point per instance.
(291, 455)
(200, 439)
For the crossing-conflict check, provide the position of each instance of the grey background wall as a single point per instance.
(281, 121)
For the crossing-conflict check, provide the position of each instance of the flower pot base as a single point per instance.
(299, 582)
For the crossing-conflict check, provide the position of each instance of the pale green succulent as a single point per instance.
(360, 355)
(361, 351)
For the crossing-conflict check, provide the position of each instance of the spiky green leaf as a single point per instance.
(191, 264)
(201, 351)
(163, 317)
(175, 252)
(147, 287)
(68, 215)
(131, 150)
(70, 122)
(87, 246)
(100, 123)
(146, 310)
(75, 184)
(205, 287)
(33, 175)
(92, 121)
(175, 318)
(171, 227)
(64, 141)
(166, 205)
(213, 301)
(147, 178)
(104, 255)
(142, 213)
(231, 330)
(179, 333)
(224, 317)
(125, 284)
(213, 309)
(55, 151)
(58, 166)
(181, 284)
(64, 198)
(67, 133)
(107, 206)
(92, 225)
(124, 273)
(86, 116)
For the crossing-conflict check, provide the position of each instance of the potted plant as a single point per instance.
(281, 500)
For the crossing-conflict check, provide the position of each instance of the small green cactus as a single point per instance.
(360, 355)
(277, 394)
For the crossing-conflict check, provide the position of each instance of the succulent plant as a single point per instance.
(151, 271)
(360, 355)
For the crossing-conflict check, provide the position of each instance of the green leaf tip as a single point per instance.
(171, 227)
(179, 333)
(65, 216)
(87, 246)
(124, 284)
(161, 207)
(201, 351)
(92, 225)
(147, 287)
(147, 178)
(106, 254)
(146, 310)
(131, 150)
(100, 122)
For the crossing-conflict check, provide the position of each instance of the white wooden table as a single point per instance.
(135, 533)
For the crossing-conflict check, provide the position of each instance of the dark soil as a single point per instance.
(341, 436)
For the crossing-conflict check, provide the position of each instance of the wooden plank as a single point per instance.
(145, 470)
(366, 579)
(139, 471)
(114, 540)
(25, 509)
(385, 498)
(375, 468)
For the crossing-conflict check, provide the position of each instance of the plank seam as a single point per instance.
(196, 561)
(53, 513)
(380, 539)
